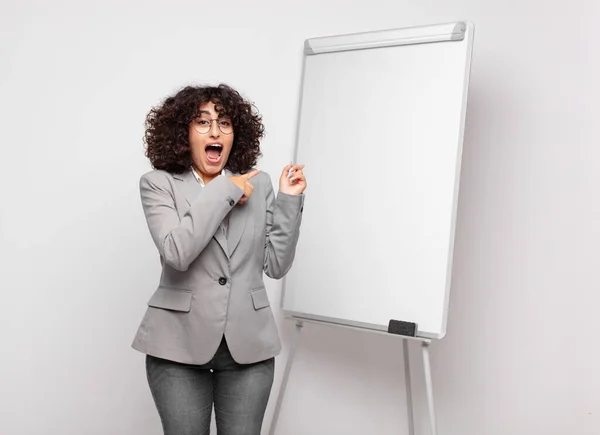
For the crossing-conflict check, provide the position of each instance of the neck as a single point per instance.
(206, 178)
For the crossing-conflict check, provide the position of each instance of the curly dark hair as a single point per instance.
(167, 128)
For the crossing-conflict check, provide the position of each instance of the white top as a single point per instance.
(200, 180)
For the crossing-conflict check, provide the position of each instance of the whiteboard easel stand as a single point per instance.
(425, 342)
(453, 32)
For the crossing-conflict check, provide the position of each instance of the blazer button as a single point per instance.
(222, 281)
(231, 202)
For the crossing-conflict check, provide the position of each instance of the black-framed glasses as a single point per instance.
(203, 125)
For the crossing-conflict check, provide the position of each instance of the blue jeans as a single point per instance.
(184, 394)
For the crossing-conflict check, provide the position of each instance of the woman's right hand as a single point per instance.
(242, 181)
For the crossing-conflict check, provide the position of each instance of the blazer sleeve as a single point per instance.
(179, 242)
(284, 216)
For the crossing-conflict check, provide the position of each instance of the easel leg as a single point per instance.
(409, 403)
(286, 375)
(429, 387)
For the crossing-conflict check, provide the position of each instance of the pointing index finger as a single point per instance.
(251, 174)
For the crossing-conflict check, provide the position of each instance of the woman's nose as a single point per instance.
(214, 128)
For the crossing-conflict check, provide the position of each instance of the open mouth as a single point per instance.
(213, 152)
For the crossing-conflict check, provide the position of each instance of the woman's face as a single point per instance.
(210, 150)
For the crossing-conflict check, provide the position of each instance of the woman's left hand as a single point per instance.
(294, 184)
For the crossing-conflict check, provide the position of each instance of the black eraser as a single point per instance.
(400, 327)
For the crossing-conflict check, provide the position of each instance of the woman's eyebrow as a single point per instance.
(206, 112)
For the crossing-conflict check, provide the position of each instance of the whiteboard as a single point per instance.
(380, 130)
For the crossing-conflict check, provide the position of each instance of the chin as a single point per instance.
(211, 169)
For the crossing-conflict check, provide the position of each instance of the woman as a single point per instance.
(208, 333)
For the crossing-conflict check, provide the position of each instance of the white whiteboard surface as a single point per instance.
(380, 131)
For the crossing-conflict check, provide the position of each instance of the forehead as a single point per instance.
(209, 109)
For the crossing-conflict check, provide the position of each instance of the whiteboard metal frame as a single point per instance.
(438, 33)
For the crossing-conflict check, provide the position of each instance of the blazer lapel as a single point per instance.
(237, 222)
(191, 189)
(189, 186)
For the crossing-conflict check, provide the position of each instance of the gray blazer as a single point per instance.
(212, 282)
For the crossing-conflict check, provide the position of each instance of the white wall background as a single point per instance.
(77, 264)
